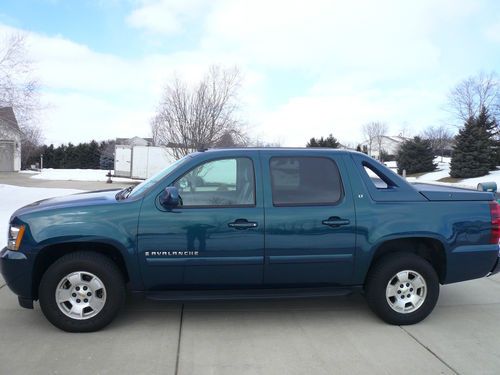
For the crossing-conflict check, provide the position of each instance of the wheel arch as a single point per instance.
(430, 248)
(50, 253)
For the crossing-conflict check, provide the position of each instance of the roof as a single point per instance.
(8, 117)
(129, 141)
(396, 138)
(392, 138)
(285, 149)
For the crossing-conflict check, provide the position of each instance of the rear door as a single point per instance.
(310, 219)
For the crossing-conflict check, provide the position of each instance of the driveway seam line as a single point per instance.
(430, 351)
(179, 342)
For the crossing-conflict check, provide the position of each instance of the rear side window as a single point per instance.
(375, 178)
(304, 181)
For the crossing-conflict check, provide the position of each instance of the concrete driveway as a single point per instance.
(304, 336)
(24, 179)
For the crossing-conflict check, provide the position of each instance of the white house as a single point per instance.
(389, 144)
(10, 141)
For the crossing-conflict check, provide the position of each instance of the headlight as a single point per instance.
(15, 237)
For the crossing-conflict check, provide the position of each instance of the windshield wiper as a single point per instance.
(123, 194)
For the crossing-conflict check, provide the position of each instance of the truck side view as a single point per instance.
(252, 223)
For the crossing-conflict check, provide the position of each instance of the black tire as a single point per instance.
(383, 272)
(99, 265)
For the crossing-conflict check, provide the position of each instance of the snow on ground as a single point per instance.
(75, 175)
(443, 171)
(14, 197)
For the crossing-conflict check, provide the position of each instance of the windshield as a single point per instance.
(146, 184)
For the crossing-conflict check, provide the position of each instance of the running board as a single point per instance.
(210, 295)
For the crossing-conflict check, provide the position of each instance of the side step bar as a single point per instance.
(207, 295)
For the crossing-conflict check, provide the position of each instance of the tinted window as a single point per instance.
(305, 181)
(226, 182)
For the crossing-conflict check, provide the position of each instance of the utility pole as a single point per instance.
(41, 161)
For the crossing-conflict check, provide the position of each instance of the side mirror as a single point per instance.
(169, 198)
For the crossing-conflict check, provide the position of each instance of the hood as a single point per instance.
(74, 200)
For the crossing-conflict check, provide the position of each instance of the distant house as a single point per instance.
(10, 141)
(389, 144)
(134, 141)
(346, 147)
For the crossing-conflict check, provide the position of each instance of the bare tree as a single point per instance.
(190, 118)
(374, 132)
(467, 98)
(440, 138)
(19, 90)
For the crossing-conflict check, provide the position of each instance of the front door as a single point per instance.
(215, 239)
(310, 220)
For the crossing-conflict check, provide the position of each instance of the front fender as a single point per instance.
(112, 225)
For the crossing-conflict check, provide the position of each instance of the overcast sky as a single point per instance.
(310, 67)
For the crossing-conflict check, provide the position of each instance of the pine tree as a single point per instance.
(471, 152)
(107, 155)
(489, 125)
(330, 142)
(94, 155)
(415, 156)
(312, 143)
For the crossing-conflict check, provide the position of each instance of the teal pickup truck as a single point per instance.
(252, 223)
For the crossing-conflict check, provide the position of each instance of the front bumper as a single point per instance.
(16, 269)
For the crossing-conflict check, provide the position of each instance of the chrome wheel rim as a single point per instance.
(406, 291)
(80, 295)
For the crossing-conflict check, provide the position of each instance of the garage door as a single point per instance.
(6, 156)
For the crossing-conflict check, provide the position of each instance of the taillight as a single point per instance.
(495, 222)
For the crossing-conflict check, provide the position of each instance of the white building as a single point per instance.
(10, 141)
(389, 144)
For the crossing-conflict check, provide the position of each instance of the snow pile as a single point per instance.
(77, 175)
(14, 197)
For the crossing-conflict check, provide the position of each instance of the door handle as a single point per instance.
(335, 221)
(242, 224)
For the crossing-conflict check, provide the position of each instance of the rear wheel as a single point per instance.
(402, 288)
(82, 292)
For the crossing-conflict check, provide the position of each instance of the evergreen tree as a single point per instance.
(489, 125)
(107, 155)
(358, 148)
(415, 156)
(312, 143)
(472, 151)
(330, 142)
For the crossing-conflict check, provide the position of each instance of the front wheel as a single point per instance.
(82, 292)
(402, 288)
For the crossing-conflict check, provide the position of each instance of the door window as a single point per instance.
(305, 181)
(224, 182)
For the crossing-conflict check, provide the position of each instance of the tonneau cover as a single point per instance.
(448, 193)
